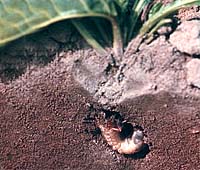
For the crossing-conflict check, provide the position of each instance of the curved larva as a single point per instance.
(133, 144)
(126, 146)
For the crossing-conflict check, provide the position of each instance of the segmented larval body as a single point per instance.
(123, 146)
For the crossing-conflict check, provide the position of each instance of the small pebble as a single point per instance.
(195, 130)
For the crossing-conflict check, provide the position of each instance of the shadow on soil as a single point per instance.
(140, 155)
(37, 49)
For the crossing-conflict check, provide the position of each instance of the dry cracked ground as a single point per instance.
(49, 79)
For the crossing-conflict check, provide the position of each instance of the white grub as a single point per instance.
(124, 146)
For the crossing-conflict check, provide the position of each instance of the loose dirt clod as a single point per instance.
(187, 37)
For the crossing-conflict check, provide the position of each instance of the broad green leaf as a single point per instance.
(22, 17)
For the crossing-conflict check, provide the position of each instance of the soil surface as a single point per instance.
(49, 79)
(43, 127)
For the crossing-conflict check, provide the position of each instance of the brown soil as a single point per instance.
(42, 127)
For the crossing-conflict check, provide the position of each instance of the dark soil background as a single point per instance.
(48, 80)
(42, 127)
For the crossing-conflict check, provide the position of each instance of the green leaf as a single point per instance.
(138, 7)
(164, 12)
(128, 15)
(155, 8)
(90, 17)
(22, 17)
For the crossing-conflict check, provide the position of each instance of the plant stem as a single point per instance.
(117, 39)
